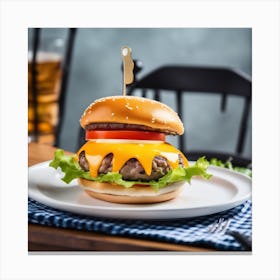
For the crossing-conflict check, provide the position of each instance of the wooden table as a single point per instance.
(45, 238)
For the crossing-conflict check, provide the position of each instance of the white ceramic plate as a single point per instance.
(225, 190)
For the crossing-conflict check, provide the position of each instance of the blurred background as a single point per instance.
(96, 72)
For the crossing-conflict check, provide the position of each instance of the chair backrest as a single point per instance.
(64, 82)
(184, 79)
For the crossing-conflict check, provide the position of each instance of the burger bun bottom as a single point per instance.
(134, 195)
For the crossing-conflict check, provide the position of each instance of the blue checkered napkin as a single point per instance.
(184, 231)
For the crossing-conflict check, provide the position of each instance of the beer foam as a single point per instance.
(43, 56)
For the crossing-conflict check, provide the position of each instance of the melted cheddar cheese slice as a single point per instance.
(144, 152)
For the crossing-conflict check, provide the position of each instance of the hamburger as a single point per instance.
(126, 158)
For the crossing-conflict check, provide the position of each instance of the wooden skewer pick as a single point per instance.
(128, 66)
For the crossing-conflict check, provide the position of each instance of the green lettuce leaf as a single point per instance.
(68, 165)
(72, 170)
(228, 165)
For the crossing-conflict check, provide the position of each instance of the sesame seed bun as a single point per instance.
(133, 110)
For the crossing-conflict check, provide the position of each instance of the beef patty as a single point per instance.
(132, 169)
(124, 126)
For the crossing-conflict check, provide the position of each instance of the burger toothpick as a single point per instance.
(128, 66)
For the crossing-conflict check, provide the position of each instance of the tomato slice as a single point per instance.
(125, 134)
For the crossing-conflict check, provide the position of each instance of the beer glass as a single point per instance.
(48, 71)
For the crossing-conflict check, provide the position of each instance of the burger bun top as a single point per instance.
(133, 110)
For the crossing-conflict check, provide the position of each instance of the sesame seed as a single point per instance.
(128, 107)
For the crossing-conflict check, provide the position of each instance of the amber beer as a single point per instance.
(48, 77)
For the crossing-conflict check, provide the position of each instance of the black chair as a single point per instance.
(209, 80)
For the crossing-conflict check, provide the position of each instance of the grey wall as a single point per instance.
(96, 73)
